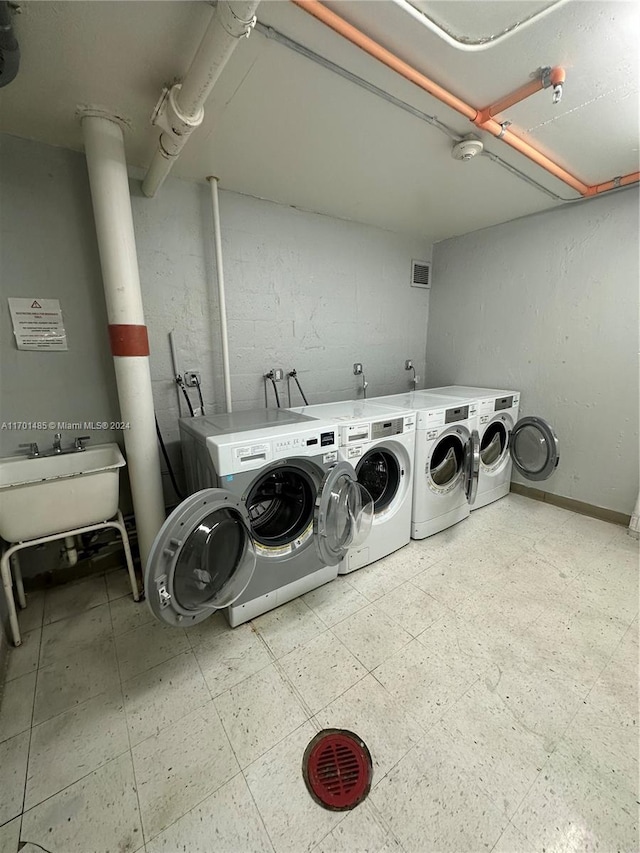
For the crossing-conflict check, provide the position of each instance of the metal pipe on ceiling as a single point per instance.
(480, 118)
(180, 109)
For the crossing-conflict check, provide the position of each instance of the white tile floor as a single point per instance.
(491, 669)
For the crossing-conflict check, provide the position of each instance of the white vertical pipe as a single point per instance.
(634, 524)
(213, 183)
(104, 147)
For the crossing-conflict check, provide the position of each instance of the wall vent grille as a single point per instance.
(421, 274)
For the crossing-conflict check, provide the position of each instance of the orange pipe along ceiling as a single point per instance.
(483, 119)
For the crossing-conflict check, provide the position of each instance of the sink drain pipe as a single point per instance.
(108, 179)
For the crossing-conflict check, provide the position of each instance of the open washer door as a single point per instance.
(343, 513)
(534, 448)
(472, 466)
(201, 560)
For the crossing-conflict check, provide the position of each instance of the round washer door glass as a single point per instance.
(343, 513)
(379, 472)
(534, 448)
(201, 561)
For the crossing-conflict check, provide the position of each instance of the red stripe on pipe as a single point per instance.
(128, 339)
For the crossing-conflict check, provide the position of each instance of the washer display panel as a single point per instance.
(379, 472)
(201, 560)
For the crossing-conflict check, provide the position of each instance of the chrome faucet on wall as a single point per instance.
(57, 449)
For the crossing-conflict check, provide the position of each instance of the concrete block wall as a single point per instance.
(303, 290)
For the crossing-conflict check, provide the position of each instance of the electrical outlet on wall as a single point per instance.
(357, 368)
(408, 365)
(192, 379)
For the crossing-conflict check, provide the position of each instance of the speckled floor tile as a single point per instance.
(258, 713)
(162, 696)
(71, 599)
(10, 836)
(335, 601)
(24, 658)
(292, 819)
(501, 755)
(14, 753)
(71, 635)
(361, 831)
(127, 614)
(413, 609)
(228, 658)
(148, 646)
(99, 813)
(371, 636)
(16, 705)
(566, 809)
(229, 816)
(321, 670)
(371, 712)
(288, 627)
(75, 743)
(181, 766)
(69, 681)
(430, 803)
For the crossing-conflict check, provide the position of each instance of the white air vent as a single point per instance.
(421, 274)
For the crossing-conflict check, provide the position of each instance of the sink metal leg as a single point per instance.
(120, 525)
(5, 570)
(17, 578)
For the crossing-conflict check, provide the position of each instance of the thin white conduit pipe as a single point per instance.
(109, 183)
(215, 206)
(472, 46)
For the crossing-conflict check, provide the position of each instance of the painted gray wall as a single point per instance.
(303, 290)
(548, 305)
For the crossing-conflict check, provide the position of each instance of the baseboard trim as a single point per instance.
(591, 510)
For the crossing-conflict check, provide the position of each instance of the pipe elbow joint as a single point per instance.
(176, 126)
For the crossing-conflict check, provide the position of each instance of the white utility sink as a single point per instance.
(52, 494)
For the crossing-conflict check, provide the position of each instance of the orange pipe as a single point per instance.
(481, 118)
(520, 94)
(624, 181)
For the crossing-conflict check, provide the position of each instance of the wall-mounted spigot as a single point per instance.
(358, 371)
(408, 365)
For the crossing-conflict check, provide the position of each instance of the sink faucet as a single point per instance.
(56, 443)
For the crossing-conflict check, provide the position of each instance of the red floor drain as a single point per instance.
(337, 769)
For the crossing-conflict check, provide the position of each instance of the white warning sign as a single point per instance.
(38, 324)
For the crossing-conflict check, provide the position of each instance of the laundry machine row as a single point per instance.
(271, 513)
(529, 444)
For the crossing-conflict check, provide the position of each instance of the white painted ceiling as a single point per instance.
(281, 127)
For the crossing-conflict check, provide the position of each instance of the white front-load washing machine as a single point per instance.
(529, 444)
(447, 459)
(272, 513)
(379, 441)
